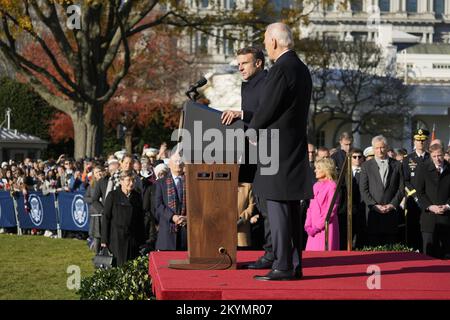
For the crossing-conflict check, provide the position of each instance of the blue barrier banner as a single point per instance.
(7, 213)
(41, 213)
(73, 211)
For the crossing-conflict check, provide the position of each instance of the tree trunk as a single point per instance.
(129, 141)
(88, 130)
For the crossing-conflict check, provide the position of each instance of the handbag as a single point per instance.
(104, 259)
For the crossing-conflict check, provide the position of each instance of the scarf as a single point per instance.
(172, 199)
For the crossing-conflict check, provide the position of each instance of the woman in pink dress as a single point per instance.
(318, 208)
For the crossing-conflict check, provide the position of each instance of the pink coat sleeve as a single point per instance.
(324, 197)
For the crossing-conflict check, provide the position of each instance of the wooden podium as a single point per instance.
(211, 202)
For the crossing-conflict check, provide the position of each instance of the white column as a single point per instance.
(403, 6)
(430, 38)
(424, 38)
(430, 6)
(447, 6)
(422, 6)
(395, 6)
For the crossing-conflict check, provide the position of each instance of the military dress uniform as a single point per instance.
(412, 218)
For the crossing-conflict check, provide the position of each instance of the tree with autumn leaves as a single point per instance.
(87, 51)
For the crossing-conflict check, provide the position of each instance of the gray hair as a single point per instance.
(126, 174)
(282, 33)
(379, 138)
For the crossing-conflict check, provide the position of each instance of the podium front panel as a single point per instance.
(212, 192)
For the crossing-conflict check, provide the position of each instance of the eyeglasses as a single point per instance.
(357, 157)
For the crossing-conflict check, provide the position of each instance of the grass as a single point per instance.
(35, 267)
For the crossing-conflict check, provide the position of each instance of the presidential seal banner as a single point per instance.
(73, 212)
(7, 215)
(37, 211)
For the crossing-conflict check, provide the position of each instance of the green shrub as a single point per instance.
(388, 247)
(129, 282)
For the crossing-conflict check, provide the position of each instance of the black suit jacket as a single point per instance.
(433, 189)
(284, 106)
(374, 193)
(99, 195)
(339, 159)
(410, 166)
(251, 93)
(166, 239)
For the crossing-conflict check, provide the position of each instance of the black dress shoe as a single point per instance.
(277, 275)
(298, 274)
(261, 263)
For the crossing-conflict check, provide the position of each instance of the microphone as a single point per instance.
(200, 83)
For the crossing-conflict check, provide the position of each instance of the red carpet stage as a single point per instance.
(327, 275)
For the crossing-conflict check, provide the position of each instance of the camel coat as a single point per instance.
(246, 208)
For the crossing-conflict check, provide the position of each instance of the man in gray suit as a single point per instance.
(381, 186)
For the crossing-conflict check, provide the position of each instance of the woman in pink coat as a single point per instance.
(318, 208)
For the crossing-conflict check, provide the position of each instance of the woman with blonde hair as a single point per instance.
(324, 189)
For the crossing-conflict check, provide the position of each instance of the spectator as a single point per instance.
(345, 142)
(381, 186)
(392, 154)
(401, 154)
(95, 212)
(433, 189)
(311, 155)
(163, 152)
(123, 220)
(322, 153)
(368, 153)
(324, 190)
(170, 208)
(358, 207)
(245, 210)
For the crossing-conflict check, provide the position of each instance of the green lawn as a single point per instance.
(35, 267)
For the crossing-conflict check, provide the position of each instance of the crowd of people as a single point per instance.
(388, 201)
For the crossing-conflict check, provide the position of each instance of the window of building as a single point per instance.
(439, 7)
(356, 5)
(201, 43)
(230, 4)
(385, 5)
(359, 36)
(411, 6)
(204, 3)
(320, 138)
(228, 47)
(441, 66)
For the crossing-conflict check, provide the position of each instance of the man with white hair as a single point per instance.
(283, 109)
(170, 207)
(381, 188)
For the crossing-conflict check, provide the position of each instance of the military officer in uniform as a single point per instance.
(410, 166)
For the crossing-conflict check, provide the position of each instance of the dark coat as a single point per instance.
(166, 240)
(99, 194)
(250, 92)
(410, 165)
(284, 106)
(149, 214)
(373, 192)
(339, 159)
(123, 225)
(433, 189)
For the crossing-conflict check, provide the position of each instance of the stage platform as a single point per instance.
(335, 275)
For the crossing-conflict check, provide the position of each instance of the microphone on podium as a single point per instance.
(193, 88)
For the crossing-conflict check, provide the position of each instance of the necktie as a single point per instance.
(439, 170)
(109, 186)
(179, 186)
(383, 172)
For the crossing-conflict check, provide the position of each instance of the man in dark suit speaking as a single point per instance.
(283, 112)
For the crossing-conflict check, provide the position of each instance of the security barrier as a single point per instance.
(56, 211)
